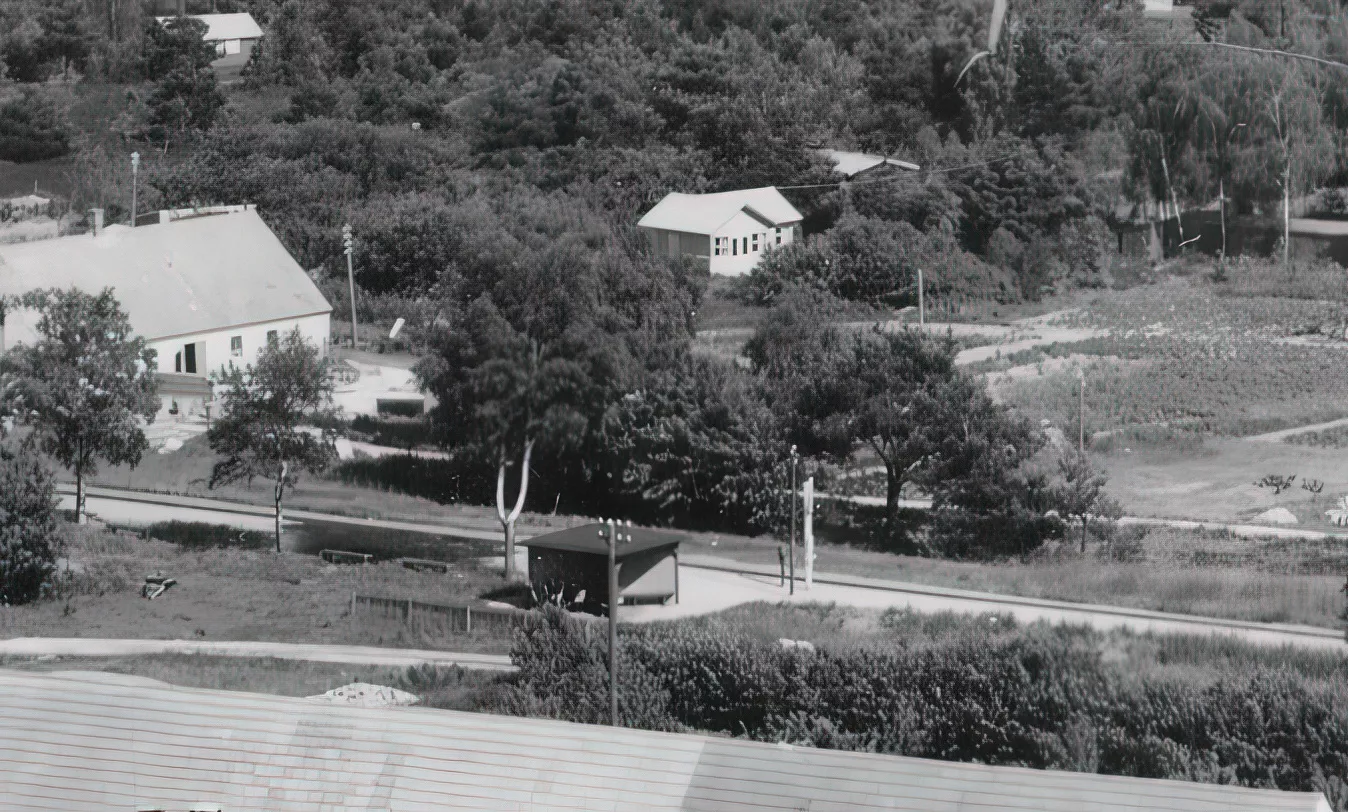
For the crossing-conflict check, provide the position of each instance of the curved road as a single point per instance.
(357, 655)
(711, 584)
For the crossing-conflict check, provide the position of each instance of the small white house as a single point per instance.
(204, 287)
(233, 35)
(731, 230)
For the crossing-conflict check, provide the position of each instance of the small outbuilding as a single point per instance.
(574, 561)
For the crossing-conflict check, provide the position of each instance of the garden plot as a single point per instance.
(1214, 364)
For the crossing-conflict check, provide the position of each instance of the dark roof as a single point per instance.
(586, 539)
(107, 741)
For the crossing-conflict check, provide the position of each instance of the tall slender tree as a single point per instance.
(86, 386)
(276, 418)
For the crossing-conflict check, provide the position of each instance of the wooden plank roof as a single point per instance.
(76, 740)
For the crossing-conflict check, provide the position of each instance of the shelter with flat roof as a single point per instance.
(89, 741)
(574, 561)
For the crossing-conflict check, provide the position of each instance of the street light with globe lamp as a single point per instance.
(135, 167)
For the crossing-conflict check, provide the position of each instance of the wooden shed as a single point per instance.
(575, 560)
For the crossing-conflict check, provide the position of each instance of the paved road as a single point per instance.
(709, 585)
(357, 655)
(1279, 436)
(137, 508)
(713, 584)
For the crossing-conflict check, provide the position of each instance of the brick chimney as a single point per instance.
(98, 220)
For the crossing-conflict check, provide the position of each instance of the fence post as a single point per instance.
(353, 603)
(467, 620)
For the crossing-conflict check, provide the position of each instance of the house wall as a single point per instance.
(665, 243)
(213, 351)
(212, 348)
(729, 256)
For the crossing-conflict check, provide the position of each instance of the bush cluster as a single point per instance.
(1036, 698)
(200, 536)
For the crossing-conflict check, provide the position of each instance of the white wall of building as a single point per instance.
(735, 252)
(213, 349)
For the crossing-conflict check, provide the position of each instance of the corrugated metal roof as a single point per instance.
(854, 163)
(77, 741)
(704, 214)
(186, 276)
(226, 26)
(586, 539)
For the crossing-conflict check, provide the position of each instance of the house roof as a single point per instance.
(187, 276)
(586, 539)
(227, 26)
(704, 214)
(80, 740)
(854, 163)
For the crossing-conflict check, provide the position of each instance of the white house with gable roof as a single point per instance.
(730, 230)
(204, 287)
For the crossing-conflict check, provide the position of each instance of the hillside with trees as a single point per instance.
(492, 159)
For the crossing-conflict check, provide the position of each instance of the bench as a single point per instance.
(423, 565)
(344, 557)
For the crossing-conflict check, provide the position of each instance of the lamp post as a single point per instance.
(350, 279)
(1081, 412)
(794, 459)
(921, 303)
(612, 536)
(135, 171)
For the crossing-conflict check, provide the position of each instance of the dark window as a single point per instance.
(178, 362)
(755, 243)
(779, 236)
(745, 240)
(190, 357)
(236, 346)
(734, 247)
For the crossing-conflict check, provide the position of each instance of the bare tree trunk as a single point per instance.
(1286, 213)
(280, 488)
(1084, 520)
(80, 518)
(508, 520)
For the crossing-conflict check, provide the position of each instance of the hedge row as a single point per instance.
(1037, 698)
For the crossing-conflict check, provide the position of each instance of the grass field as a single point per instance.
(228, 594)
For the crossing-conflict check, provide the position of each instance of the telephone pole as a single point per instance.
(351, 280)
(135, 167)
(794, 458)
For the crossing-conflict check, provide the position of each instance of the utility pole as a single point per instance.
(793, 520)
(921, 304)
(135, 167)
(808, 511)
(351, 280)
(1081, 414)
(613, 600)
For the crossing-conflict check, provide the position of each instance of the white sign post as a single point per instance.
(809, 532)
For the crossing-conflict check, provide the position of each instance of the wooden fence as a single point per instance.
(459, 617)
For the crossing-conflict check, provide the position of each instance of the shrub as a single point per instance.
(975, 692)
(31, 130)
(27, 526)
(393, 432)
(461, 478)
(199, 536)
